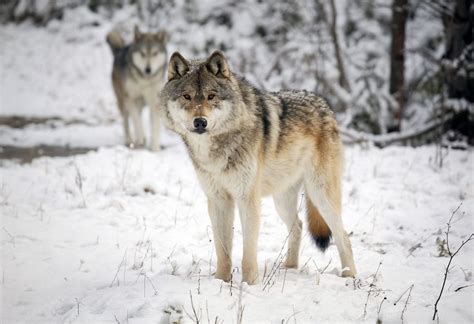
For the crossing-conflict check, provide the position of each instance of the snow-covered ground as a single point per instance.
(123, 236)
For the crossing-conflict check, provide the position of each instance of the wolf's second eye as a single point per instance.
(211, 96)
(187, 97)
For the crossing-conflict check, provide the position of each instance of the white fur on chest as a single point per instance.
(236, 179)
(201, 146)
(149, 89)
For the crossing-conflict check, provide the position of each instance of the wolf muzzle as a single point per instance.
(200, 125)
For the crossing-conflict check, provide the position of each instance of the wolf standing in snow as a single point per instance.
(246, 144)
(137, 77)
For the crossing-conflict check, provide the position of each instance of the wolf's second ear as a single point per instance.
(177, 67)
(162, 36)
(217, 65)
(137, 33)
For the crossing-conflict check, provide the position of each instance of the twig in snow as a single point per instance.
(406, 302)
(324, 269)
(371, 288)
(77, 304)
(142, 262)
(231, 281)
(241, 308)
(304, 268)
(194, 317)
(291, 316)
(12, 238)
(451, 258)
(119, 266)
(265, 272)
(144, 286)
(278, 262)
(4, 195)
(199, 282)
(210, 262)
(151, 282)
(401, 296)
(79, 182)
(284, 280)
(380, 306)
(462, 287)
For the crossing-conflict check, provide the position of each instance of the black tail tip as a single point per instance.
(322, 242)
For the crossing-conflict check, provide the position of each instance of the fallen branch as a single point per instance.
(351, 136)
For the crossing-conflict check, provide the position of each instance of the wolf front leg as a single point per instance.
(155, 124)
(249, 208)
(221, 212)
(125, 119)
(136, 115)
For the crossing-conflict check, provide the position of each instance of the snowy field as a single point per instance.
(122, 236)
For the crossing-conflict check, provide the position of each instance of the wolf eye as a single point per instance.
(187, 97)
(211, 96)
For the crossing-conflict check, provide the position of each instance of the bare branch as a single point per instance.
(451, 258)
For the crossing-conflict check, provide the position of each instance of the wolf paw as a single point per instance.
(290, 264)
(250, 276)
(223, 275)
(155, 147)
(347, 273)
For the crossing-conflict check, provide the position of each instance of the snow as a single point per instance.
(120, 235)
(61, 247)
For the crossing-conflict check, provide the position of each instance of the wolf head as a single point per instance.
(149, 51)
(202, 96)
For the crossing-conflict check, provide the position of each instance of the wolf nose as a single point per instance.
(147, 70)
(200, 123)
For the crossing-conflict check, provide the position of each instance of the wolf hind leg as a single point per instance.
(323, 187)
(286, 205)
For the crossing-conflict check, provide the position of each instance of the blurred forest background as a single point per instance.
(395, 71)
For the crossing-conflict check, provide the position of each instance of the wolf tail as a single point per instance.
(115, 42)
(318, 228)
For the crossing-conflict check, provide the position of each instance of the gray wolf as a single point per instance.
(138, 74)
(245, 144)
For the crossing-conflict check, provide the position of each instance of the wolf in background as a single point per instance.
(246, 144)
(138, 75)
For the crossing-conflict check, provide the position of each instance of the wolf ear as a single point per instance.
(137, 33)
(177, 67)
(162, 36)
(217, 65)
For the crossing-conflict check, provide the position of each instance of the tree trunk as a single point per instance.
(343, 82)
(397, 58)
(460, 52)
